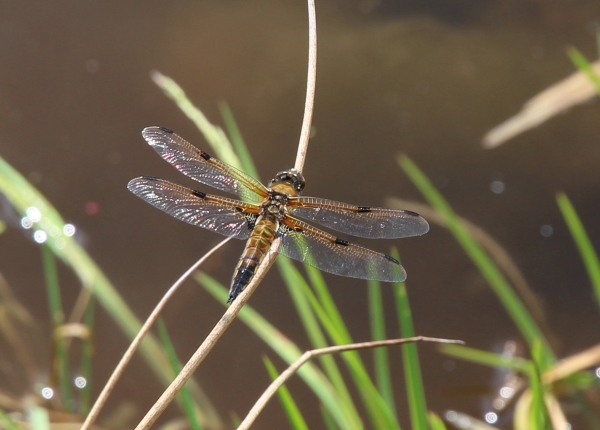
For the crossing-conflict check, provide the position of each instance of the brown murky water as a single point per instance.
(424, 78)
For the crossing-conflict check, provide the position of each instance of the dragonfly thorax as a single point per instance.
(275, 204)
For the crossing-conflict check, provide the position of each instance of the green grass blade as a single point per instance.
(86, 359)
(329, 316)
(6, 422)
(238, 141)
(297, 288)
(380, 355)
(214, 135)
(584, 66)
(38, 417)
(328, 419)
(497, 281)
(289, 352)
(435, 422)
(582, 240)
(184, 398)
(412, 368)
(289, 406)
(539, 415)
(486, 358)
(22, 195)
(58, 319)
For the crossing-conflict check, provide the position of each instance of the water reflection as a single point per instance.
(497, 187)
(47, 392)
(26, 223)
(80, 382)
(491, 417)
(40, 236)
(33, 214)
(546, 230)
(69, 230)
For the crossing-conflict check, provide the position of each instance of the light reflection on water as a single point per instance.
(33, 214)
(40, 236)
(47, 392)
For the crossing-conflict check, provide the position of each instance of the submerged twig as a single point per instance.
(308, 355)
(228, 317)
(112, 381)
(311, 81)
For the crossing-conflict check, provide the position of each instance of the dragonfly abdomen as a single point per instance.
(257, 246)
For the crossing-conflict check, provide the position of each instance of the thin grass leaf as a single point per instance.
(6, 422)
(497, 281)
(58, 318)
(435, 422)
(289, 352)
(486, 358)
(328, 419)
(383, 377)
(289, 406)
(2, 226)
(584, 66)
(86, 359)
(539, 415)
(24, 196)
(214, 135)
(238, 141)
(38, 417)
(582, 240)
(412, 368)
(184, 398)
(331, 319)
(297, 288)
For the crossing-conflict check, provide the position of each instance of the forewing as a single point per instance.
(201, 167)
(360, 221)
(324, 251)
(219, 214)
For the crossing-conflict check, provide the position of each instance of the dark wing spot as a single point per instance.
(239, 209)
(204, 155)
(411, 213)
(342, 242)
(151, 178)
(199, 194)
(363, 209)
(392, 259)
(167, 130)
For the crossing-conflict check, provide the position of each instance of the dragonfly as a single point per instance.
(278, 211)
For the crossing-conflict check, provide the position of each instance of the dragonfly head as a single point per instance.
(290, 178)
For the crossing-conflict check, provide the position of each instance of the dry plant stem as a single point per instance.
(228, 317)
(287, 374)
(310, 87)
(112, 381)
(575, 363)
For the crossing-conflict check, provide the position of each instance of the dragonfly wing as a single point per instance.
(219, 214)
(201, 167)
(324, 251)
(360, 221)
